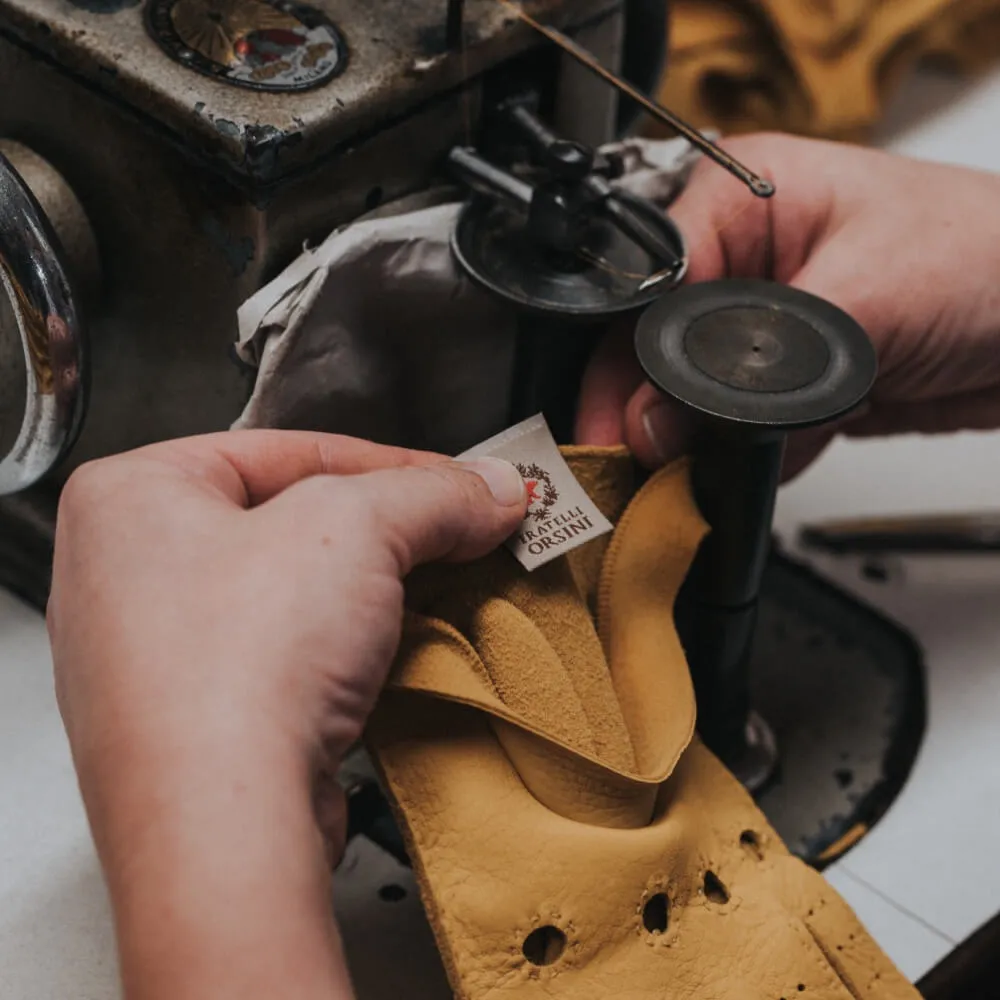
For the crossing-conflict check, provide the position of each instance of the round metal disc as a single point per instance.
(609, 275)
(756, 352)
(268, 45)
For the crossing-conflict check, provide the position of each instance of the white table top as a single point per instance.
(922, 881)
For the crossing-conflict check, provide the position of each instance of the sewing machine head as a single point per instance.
(164, 159)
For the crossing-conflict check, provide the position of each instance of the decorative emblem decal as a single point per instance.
(542, 493)
(270, 45)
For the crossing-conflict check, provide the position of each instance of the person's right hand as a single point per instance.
(910, 249)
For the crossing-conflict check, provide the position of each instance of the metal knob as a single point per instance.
(753, 360)
(42, 349)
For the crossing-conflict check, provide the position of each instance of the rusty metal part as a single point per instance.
(41, 316)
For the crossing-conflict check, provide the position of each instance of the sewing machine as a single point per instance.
(199, 172)
(154, 177)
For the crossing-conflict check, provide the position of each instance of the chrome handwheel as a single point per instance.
(42, 346)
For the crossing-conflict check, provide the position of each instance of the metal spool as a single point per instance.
(756, 353)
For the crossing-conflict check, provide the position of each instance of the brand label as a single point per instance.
(560, 514)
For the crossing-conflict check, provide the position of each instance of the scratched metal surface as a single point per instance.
(843, 690)
(396, 60)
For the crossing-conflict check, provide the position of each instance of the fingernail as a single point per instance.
(501, 477)
(660, 424)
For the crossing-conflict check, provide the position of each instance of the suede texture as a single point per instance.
(570, 835)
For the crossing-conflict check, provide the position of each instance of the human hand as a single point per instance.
(911, 250)
(224, 611)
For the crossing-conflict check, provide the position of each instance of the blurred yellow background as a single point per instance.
(822, 68)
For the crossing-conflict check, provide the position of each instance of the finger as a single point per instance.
(612, 376)
(803, 448)
(972, 411)
(660, 431)
(252, 466)
(330, 808)
(657, 429)
(725, 228)
(731, 233)
(454, 510)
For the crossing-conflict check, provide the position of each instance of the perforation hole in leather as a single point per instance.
(714, 890)
(750, 843)
(656, 913)
(392, 893)
(544, 945)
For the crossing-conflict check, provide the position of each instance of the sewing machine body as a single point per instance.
(197, 189)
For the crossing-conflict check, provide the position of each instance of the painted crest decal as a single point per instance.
(268, 45)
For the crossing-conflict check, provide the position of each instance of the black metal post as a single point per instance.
(735, 476)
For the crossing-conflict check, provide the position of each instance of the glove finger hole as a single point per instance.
(750, 843)
(715, 891)
(544, 945)
(656, 913)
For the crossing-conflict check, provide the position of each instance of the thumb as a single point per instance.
(448, 510)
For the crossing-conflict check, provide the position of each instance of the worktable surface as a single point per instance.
(922, 881)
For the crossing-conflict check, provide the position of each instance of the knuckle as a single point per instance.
(317, 493)
(87, 486)
(333, 504)
(469, 498)
(463, 484)
(762, 140)
(765, 151)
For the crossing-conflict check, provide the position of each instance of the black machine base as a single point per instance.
(843, 690)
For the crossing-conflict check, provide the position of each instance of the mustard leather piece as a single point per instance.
(824, 68)
(523, 648)
(569, 834)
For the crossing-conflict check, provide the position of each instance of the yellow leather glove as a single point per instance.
(570, 835)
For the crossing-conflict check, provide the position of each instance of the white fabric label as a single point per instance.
(560, 514)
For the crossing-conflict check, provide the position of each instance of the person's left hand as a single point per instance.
(223, 615)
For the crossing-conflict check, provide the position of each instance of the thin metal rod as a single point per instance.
(758, 185)
(484, 177)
